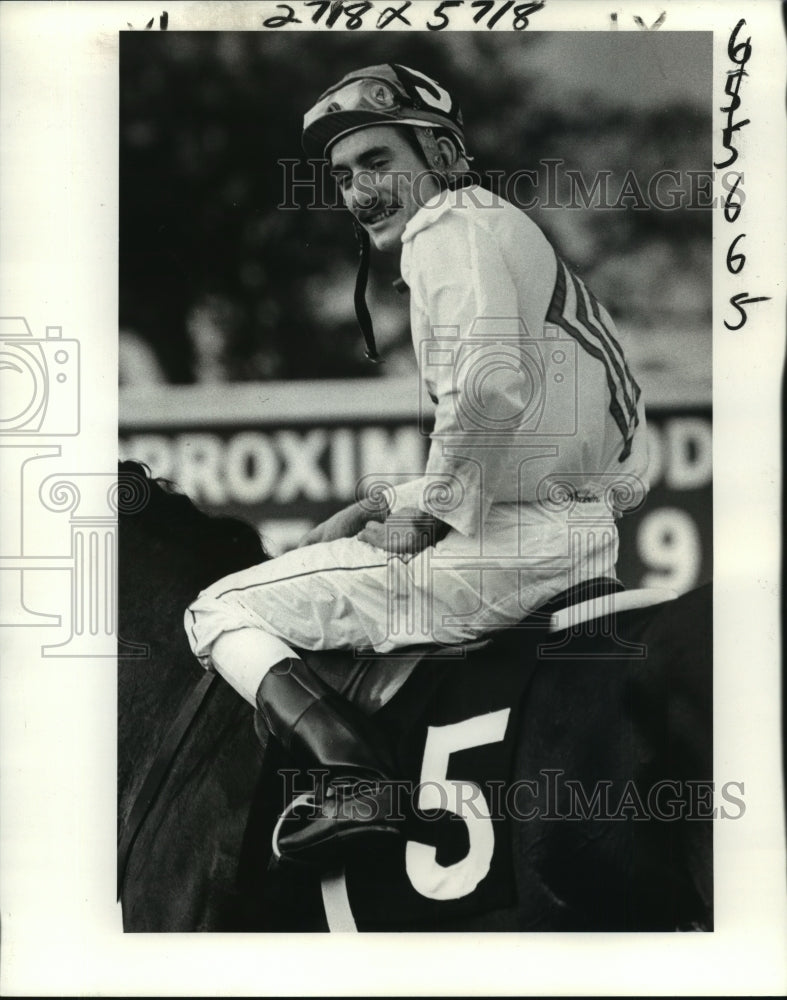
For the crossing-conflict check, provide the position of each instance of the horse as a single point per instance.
(181, 872)
(571, 767)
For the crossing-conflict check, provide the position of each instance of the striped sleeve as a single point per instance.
(575, 310)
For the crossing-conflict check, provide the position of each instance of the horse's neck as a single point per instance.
(151, 692)
(151, 688)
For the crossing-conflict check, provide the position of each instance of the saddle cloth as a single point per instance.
(370, 680)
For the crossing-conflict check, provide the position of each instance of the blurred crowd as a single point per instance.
(220, 284)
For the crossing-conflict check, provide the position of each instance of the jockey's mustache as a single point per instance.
(374, 212)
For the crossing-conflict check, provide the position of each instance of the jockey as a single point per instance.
(538, 445)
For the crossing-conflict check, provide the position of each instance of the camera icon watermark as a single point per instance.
(39, 400)
(502, 379)
(39, 381)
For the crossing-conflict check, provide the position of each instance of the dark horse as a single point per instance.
(578, 765)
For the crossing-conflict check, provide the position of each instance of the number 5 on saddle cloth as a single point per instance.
(503, 743)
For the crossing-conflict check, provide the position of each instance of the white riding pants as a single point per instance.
(347, 594)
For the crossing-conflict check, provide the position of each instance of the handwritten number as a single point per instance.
(739, 258)
(330, 12)
(337, 9)
(738, 302)
(353, 12)
(440, 12)
(281, 20)
(732, 87)
(356, 13)
(323, 6)
(503, 10)
(739, 53)
(522, 11)
(732, 209)
(734, 47)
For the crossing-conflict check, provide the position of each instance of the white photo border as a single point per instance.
(61, 926)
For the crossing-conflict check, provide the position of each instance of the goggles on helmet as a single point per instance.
(360, 95)
(389, 94)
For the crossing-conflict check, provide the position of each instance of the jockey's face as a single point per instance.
(383, 181)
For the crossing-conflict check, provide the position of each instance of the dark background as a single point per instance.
(218, 284)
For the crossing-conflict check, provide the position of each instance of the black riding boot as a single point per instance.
(322, 730)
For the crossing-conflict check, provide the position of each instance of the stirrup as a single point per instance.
(305, 798)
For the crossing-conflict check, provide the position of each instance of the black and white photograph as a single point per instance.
(393, 511)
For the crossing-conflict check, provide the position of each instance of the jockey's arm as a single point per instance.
(346, 523)
(408, 530)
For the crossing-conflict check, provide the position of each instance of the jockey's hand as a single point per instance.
(409, 530)
(345, 524)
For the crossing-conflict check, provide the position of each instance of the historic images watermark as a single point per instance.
(550, 184)
(551, 795)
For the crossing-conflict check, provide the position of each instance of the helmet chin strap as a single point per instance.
(361, 308)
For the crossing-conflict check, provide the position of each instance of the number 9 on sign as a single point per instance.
(668, 543)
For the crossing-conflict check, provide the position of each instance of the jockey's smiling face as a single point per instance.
(383, 181)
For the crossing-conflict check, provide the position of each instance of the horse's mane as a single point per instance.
(161, 514)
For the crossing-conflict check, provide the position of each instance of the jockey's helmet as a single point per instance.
(388, 94)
